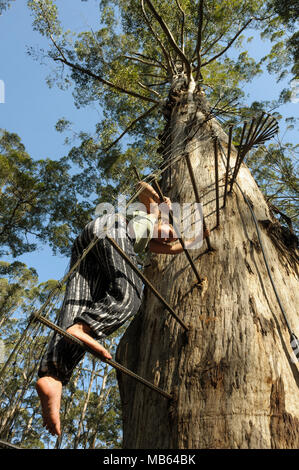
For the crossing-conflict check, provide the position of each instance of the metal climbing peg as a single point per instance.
(45, 321)
(295, 345)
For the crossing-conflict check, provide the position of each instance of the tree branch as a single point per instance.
(106, 82)
(152, 59)
(57, 47)
(182, 25)
(170, 65)
(206, 24)
(130, 127)
(229, 44)
(199, 39)
(153, 75)
(213, 44)
(148, 89)
(158, 84)
(97, 77)
(144, 61)
(170, 38)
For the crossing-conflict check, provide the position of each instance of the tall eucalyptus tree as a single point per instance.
(161, 74)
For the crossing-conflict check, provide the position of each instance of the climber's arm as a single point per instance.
(156, 246)
(150, 198)
(147, 193)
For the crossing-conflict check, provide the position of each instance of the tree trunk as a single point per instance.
(232, 376)
(103, 395)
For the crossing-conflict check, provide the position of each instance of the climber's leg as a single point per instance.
(102, 294)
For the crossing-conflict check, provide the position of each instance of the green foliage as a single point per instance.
(293, 44)
(46, 17)
(38, 199)
(20, 419)
(287, 50)
(275, 169)
(129, 62)
(275, 165)
(16, 287)
(288, 10)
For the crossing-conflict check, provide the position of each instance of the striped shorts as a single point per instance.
(103, 292)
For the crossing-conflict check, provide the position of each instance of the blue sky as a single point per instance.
(31, 108)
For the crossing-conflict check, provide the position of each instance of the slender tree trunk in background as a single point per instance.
(8, 416)
(232, 375)
(27, 428)
(102, 397)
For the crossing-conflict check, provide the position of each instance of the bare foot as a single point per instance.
(49, 390)
(206, 233)
(82, 332)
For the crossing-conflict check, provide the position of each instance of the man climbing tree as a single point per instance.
(233, 378)
(102, 294)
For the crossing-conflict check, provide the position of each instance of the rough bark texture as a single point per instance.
(232, 376)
